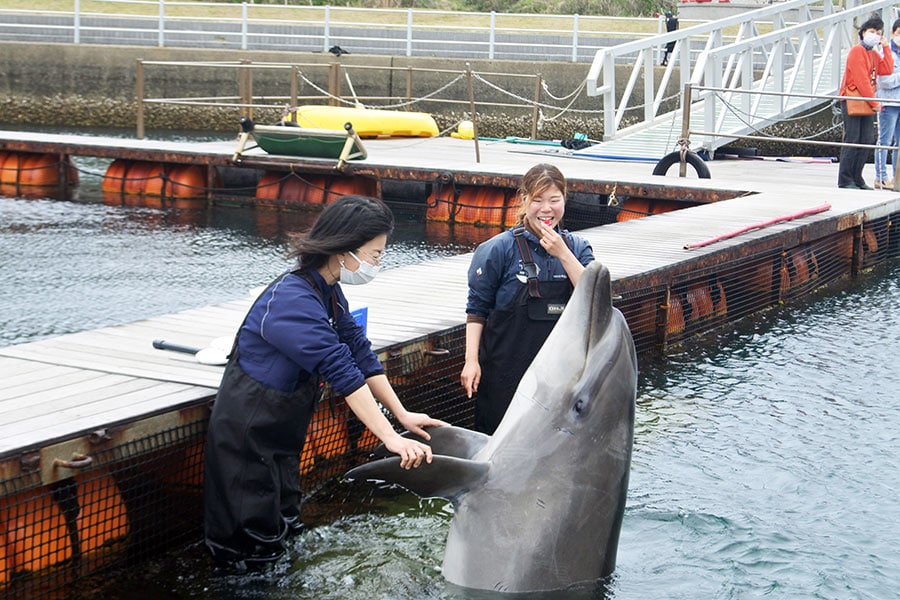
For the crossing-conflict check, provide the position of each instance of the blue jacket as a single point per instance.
(288, 337)
(496, 274)
(888, 86)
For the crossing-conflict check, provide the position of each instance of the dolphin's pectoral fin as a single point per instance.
(445, 477)
(446, 441)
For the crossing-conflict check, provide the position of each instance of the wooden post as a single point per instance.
(244, 89)
(536, 111)
(472, 112)
(139, 96)
(409, 74)
(295, 86)
(685, 127)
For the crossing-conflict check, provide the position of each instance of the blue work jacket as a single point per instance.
(496, 273)
(290, 335)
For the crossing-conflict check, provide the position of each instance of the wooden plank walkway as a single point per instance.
(69, 385)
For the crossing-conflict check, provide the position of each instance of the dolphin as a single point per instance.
(538, 505)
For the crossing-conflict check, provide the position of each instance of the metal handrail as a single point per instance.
(641, 54)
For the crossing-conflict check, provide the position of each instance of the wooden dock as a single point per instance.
(65, 386)
(73, 396)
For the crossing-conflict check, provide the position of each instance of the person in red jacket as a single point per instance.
(865, 61)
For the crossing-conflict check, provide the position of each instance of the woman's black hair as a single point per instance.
(871, 23)
(895, 26)
(344, 225)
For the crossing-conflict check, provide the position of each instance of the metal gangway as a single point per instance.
(754, 69)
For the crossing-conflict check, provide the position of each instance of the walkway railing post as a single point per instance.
(161, 37)
(243, 25)
(491, 35)
(326, 33)
(575, 38)
(76, 23)
(295, 86)
(409, 31)
(139, 96)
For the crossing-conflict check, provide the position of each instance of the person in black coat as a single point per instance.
(671, 25)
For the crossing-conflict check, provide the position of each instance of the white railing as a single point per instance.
(785, 47)
(799, 61)
(397, 32)
(690, 42)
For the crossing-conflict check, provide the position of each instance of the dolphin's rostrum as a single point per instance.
(538, 506)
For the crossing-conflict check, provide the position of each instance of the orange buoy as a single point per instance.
(269, 185)
(488, 206)
(35, 530)
(675, 322)
(633, 208)
(338, 186)
(327, 438)
(721, 302)
(114, 178)
(700, 301)
(187, 181)
(367, 441)
(187, 187)
(102, 518)
(308, 189)
(141, 175)
(4, 569)
(9, 169)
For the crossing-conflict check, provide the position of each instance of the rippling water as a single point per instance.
(764, 466)
(765, 459)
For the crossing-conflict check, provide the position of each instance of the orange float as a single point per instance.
(155, 184)
(675, 323)
(35, 530)
(31, 172)
(102, 518)
(9, 169)
(187, 187)
(633, 208)
(269, 185)
(327, 438)
(311, 189)
(35, 535)
(474, 205)
(114, 178)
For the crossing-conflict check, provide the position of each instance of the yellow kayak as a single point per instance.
(367, 122)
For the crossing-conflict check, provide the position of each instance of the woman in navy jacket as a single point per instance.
(519, 282)
(298, 334)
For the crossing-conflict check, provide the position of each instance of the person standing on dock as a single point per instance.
(889, 118)
(671, 25)
(519, 282)
(298, 334)
(865, 61)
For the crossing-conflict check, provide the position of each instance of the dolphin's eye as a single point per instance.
(579, 406)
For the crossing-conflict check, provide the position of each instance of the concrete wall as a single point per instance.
(103, 74)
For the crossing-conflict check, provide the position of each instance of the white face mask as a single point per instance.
(896, 39)
(871, 39)
(363, 274)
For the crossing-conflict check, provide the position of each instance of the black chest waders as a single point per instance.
(512, 337)
(252, 464)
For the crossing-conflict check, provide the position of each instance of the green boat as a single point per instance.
(291, 140)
